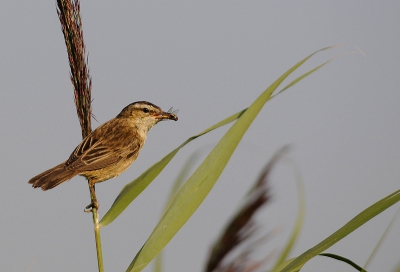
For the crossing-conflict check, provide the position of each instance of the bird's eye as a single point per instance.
(146, 110)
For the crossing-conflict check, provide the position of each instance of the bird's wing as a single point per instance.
(100, 149)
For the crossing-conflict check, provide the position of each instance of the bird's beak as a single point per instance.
(166, 115)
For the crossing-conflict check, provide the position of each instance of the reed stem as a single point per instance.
(71, 25)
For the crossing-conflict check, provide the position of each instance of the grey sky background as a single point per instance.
(209, 59)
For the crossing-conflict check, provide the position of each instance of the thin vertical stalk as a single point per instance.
(95, 215)
(71, 25)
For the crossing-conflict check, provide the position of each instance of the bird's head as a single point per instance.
(145, 114)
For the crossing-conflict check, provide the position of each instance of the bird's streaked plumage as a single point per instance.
(109, 150)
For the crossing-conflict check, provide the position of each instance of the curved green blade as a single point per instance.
(352, 225)
(196, 188)
(343, 259)
(286, 263)
(158, 261)
(382, 239)
(299, 221)
(135, 187)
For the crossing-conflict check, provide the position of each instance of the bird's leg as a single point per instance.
(94, 204)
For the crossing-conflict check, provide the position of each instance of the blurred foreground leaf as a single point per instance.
(299, 221)
(381, 240)
(242, 227)
(158, 261)
(196, 188)
(352, 225)
(134, 188)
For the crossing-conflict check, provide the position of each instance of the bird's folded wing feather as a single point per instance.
(98, 151)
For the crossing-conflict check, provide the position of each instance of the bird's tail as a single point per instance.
(52, 177)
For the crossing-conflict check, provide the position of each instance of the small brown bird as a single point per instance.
(109, 150)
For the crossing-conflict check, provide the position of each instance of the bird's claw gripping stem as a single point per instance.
(93, 205)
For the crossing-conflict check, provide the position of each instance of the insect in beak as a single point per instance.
(171, 115)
